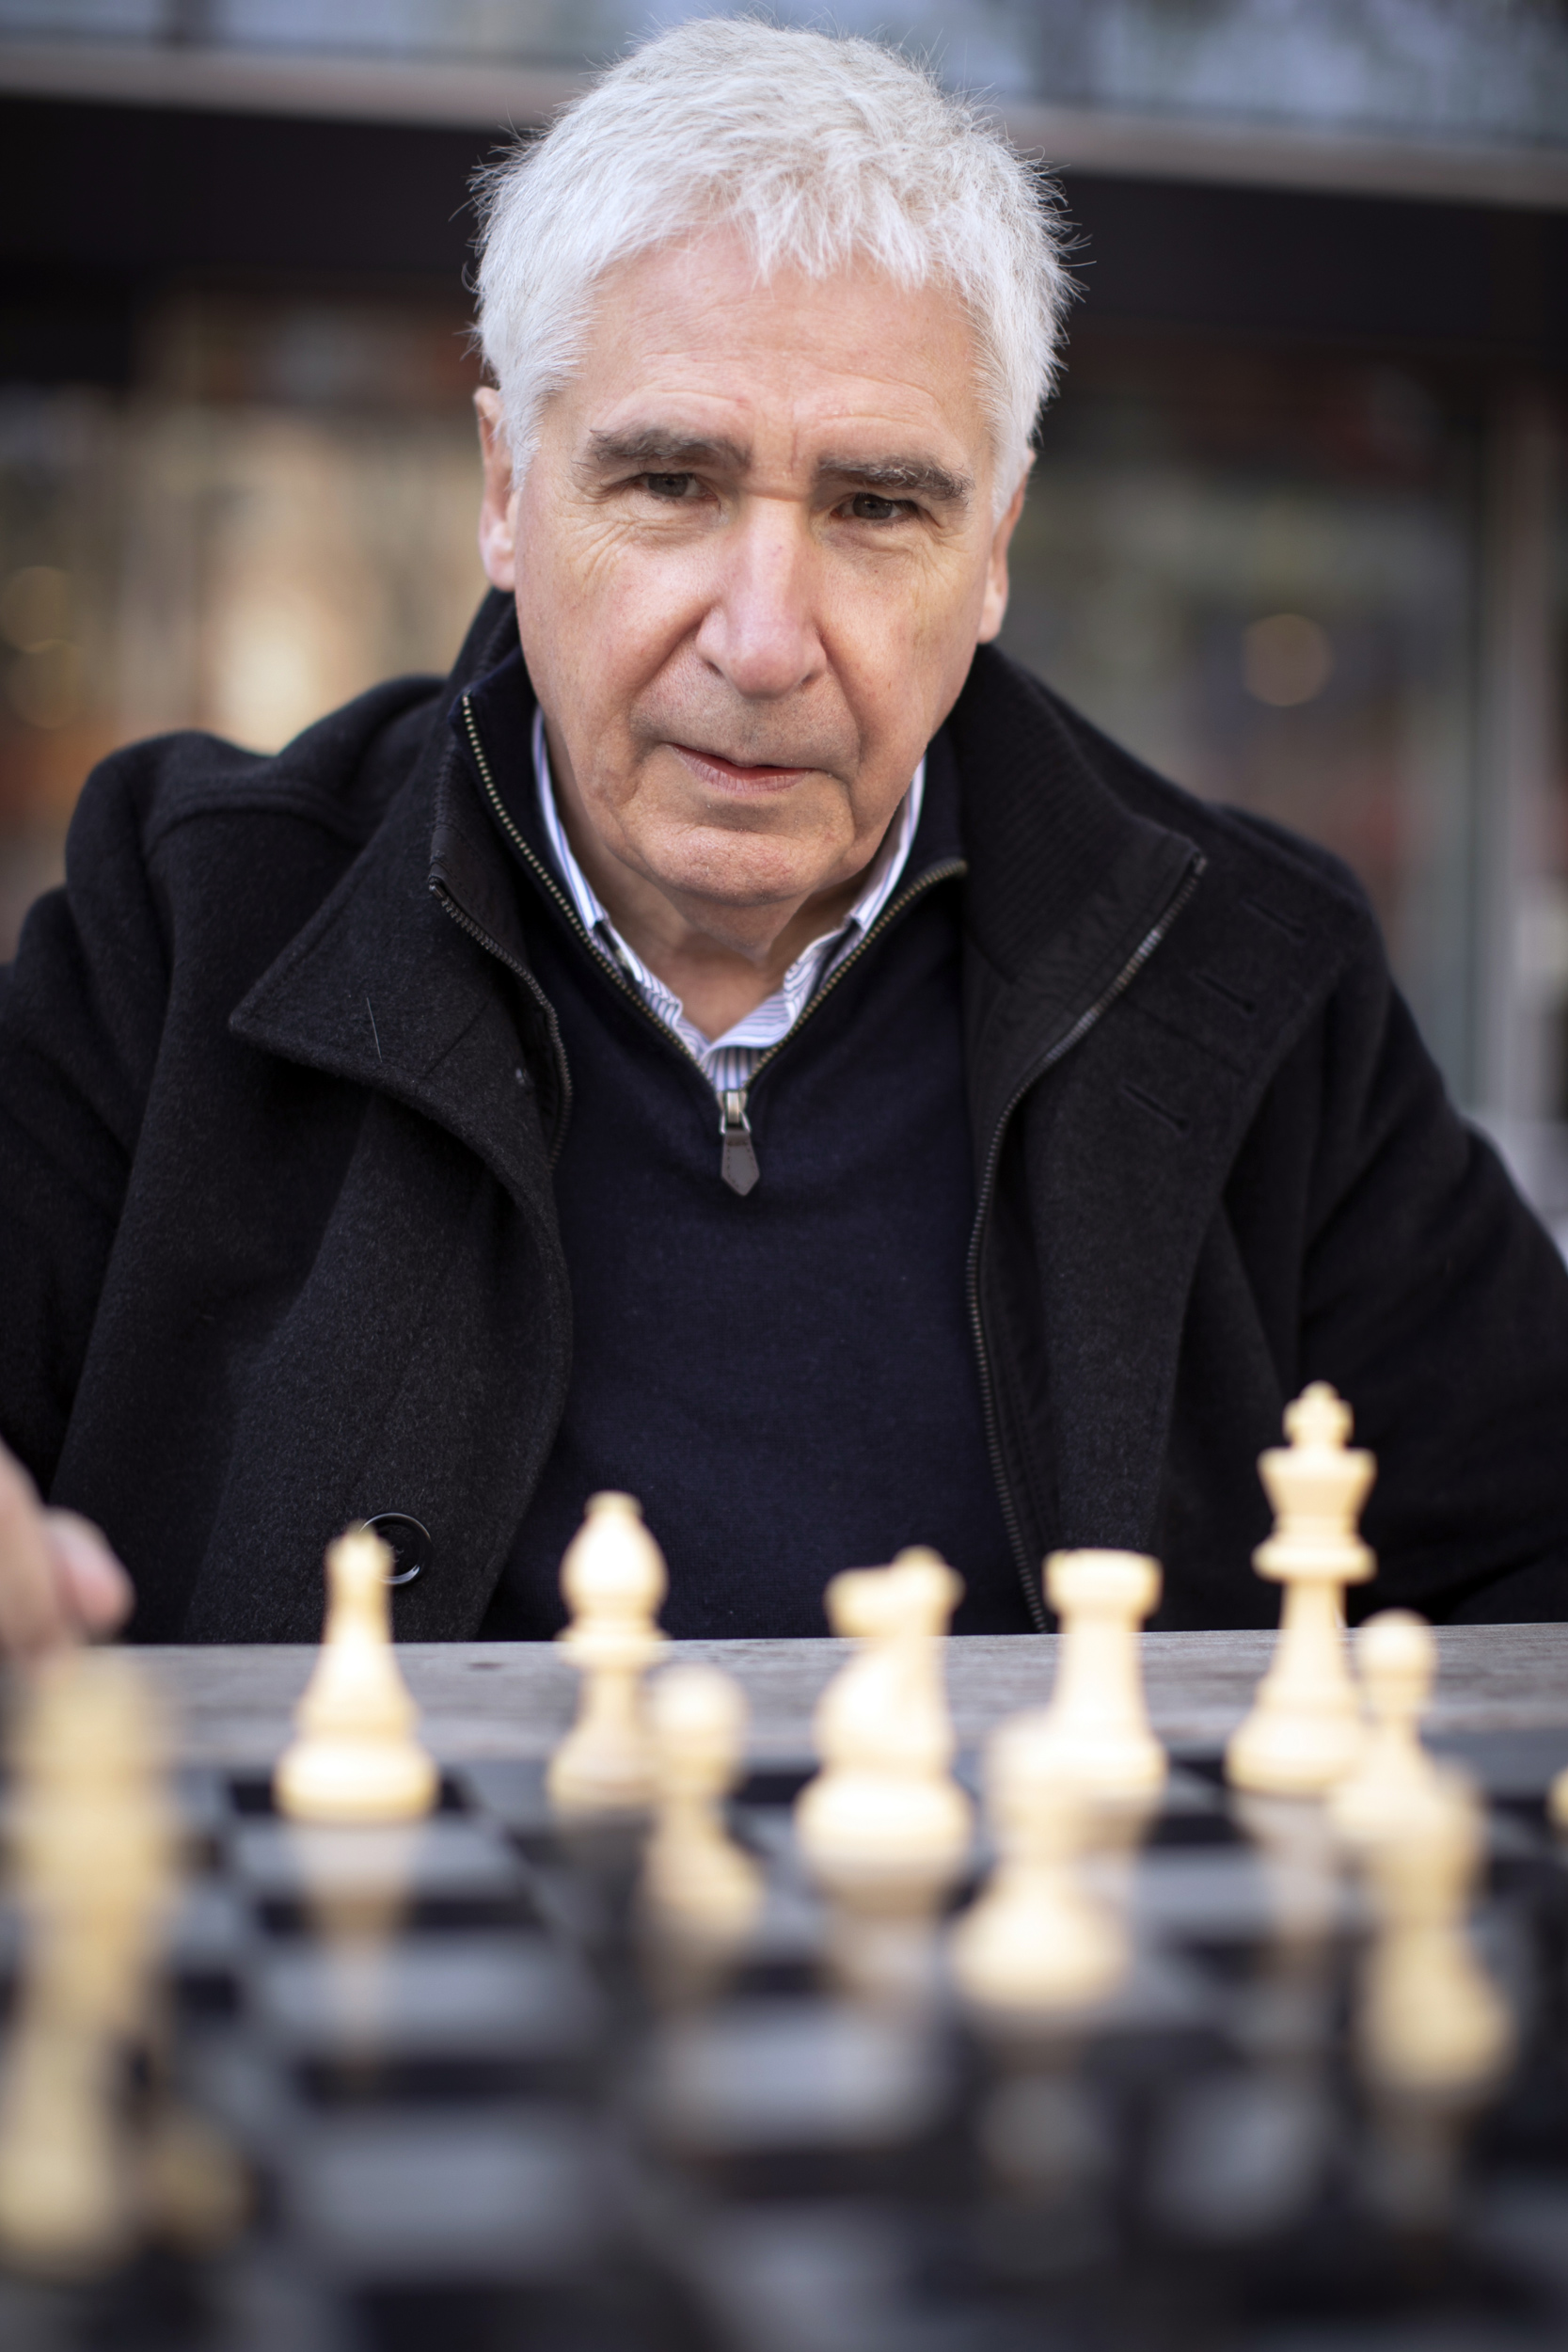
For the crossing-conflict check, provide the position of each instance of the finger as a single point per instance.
(96, 1590)
(33, 1610)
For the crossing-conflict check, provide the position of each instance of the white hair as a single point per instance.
(820, 151)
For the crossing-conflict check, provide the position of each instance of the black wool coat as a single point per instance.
(278, 1246)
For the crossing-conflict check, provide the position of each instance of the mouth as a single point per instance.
(732, 776)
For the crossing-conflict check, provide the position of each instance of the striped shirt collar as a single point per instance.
(727, 1060)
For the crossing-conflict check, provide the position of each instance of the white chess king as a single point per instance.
(1305, 1732)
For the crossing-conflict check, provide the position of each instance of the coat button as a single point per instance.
(407, 1540)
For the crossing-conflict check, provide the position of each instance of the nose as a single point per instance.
(759, 631)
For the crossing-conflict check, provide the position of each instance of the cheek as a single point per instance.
(611, 612)
(908, 648)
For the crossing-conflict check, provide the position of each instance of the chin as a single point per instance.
(757, 880)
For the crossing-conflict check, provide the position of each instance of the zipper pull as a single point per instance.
(739, 1164)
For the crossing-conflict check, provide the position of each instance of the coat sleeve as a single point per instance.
(81, 1014)
(1435, 1299)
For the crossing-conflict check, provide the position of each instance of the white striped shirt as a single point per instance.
(727, 1063)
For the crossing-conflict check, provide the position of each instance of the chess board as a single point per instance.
(481, 2107)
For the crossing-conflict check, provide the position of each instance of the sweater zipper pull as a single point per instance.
(738, 1163)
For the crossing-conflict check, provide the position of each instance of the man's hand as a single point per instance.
(59, 1581)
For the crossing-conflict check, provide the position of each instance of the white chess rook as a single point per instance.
(884, 1812)
(613, 1579)
(1305, 1732)
(1099, 1723)
(356, 1758)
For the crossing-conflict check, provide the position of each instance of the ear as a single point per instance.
(498, 513)
(993, 610)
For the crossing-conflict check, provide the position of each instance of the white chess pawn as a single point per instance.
(884, 1811)
(1036, 1942)
(1430, 2020)
(696, 1880)
(1397, 1654)
(613, 1578)
(1304, 1731)
(356, 1758)
(1099, 1723)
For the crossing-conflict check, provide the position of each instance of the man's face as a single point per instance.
(752, 557)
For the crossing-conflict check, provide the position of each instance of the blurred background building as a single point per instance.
(1298, 533)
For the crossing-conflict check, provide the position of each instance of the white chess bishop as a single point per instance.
(885, 1810)
(613, 1579)
(356, 1758)
(1304, 1731)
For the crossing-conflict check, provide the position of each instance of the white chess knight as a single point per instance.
(613, 1579)
(1305, 1732)
(884, 1811)
(1037, 1941)
(356, 1758)
(1096, 1727)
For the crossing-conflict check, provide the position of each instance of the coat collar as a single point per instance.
(384, 989)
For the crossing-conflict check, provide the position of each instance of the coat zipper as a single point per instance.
(737, 1159)
(1048, 1060)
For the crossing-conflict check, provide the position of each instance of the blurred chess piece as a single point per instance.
(356, 1758)
(885, 1811)
(92, 1846)
(1397, 1654)
(357, 1880)
(1305, 1732)
(1283, 2014)
(1433, 2035)
(1098, 1718)
(1429, 2018)
(613, 1579)
(1035, 1941)
(697, 1883)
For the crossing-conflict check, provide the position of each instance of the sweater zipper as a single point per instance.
(737, 1159)
(1036, 1071)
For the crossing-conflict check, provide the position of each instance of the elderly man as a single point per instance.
(739, 1039)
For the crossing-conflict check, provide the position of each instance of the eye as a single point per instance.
(868, 506)
(669, 485)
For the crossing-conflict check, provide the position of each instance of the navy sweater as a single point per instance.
(786, 1379)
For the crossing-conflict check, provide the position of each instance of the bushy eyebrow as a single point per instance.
(655, 449)
(899, 477)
